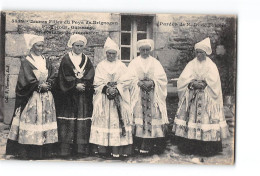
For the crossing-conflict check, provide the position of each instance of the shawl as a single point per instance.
(207, 71)
(67, 78)
(104, 75)
(27, 81)
(154, 70)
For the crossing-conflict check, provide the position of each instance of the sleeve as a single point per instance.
(88, 77)
(160, 80)
(27, 83)
(66, 77)
(160, 90)
(185, 79)
(51, 73)
(130, 78)
(99, 81)
(213, 82)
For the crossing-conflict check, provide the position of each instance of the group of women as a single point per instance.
(113, 110)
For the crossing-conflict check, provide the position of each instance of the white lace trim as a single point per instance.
(204, 127)
(15, 121)
(34, 127)
(80, 70)
(179, 122)
(72, 118)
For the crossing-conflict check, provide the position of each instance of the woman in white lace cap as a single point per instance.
(147, 82)
(34, 125)
(74, 99)
(111, 129)
(200, 123)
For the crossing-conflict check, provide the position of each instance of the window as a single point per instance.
(134, 28)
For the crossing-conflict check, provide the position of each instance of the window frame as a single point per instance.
(134, 32)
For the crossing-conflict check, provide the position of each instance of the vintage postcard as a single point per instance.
(118, 87)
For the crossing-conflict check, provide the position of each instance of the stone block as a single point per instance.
(12, 65)
(8, 110)
(10, 84)
(167, 57)
(99, 55)
(15, 45)
(10, 26)
(98, 39)
(107, 21)
(161, 41)
(164, 23)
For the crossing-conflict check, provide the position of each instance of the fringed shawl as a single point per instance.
(207, 71)
(27, 81)
(67, 79)
(155, 72)
(102, 77)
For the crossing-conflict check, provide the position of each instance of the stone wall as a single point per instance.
(174, 36)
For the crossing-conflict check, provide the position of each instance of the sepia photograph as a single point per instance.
(108, 87)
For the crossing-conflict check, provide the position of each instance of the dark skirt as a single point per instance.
(74, 111)
(74, 131)
(79, 150)
(24, 151)
(125, 150)
(151, 145)
(196, 147)
(74, 137)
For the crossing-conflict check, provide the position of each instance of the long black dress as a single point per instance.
(74, 108)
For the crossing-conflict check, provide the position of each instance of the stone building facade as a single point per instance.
(174, 36)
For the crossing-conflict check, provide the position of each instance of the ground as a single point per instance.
(171, 154)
